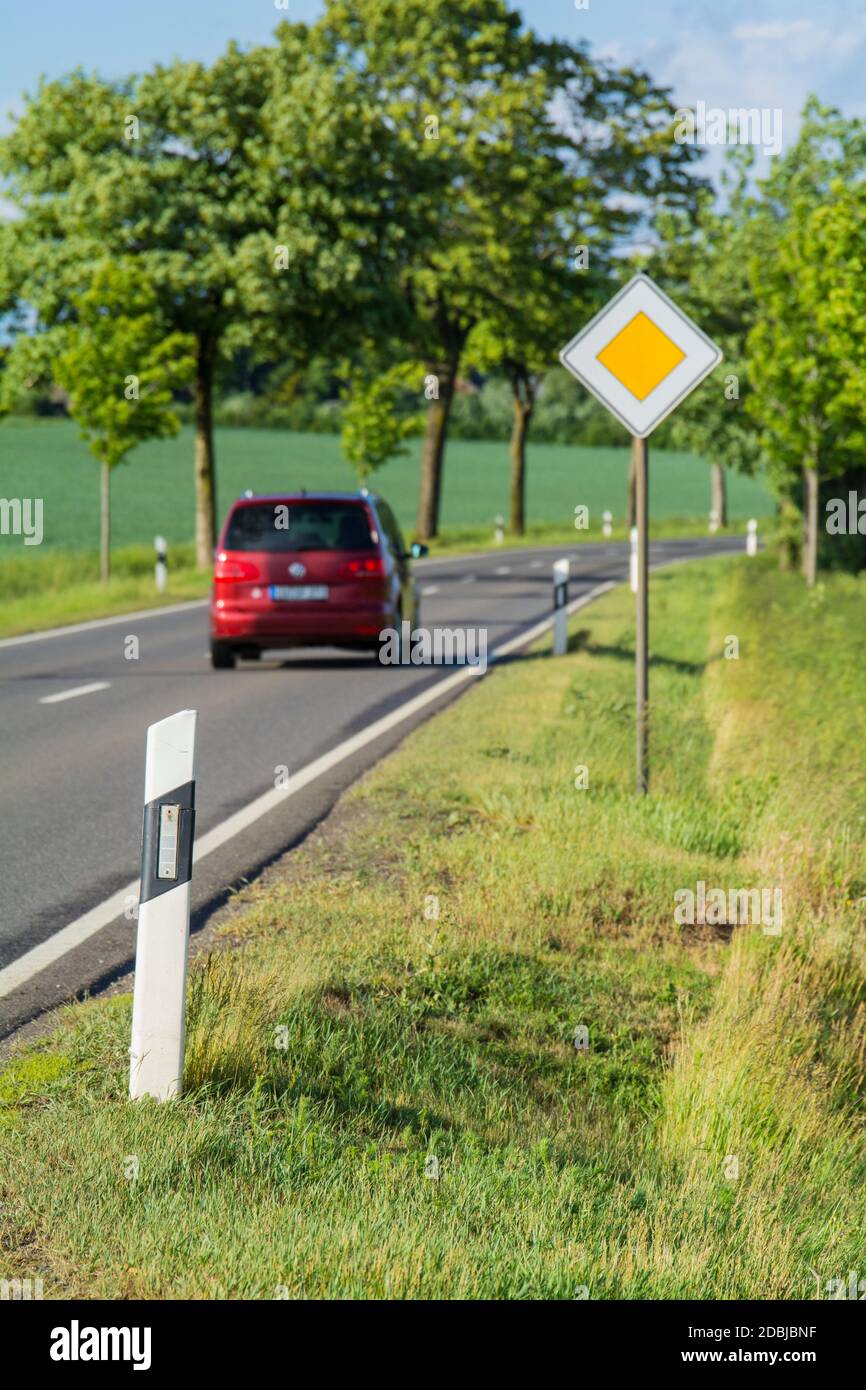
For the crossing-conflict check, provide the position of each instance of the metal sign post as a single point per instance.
(159, 1001)
(641, 356)
(640, 454)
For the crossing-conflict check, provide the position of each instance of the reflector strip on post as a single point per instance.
(159, 1003)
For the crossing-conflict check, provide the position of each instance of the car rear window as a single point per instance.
(311, 526)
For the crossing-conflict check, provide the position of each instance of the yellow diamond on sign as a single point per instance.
(641, 356)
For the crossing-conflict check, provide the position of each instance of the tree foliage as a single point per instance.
(374, 430)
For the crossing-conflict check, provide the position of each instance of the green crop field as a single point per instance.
(153, 492)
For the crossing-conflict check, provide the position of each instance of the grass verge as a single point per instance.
(383, 1093)
(61, 586)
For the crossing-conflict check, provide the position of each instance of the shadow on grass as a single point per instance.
(346, 1050)
(579, 642)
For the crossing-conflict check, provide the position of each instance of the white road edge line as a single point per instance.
(431, 589)
(18, 973)
(72, 694)
(104, 622)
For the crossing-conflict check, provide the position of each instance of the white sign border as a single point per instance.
(616, 309)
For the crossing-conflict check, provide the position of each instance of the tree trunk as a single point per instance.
(631, 504)
(519, 431)
(810, 549)
(433, 453)
(205, 518)
(105, 524)
(719, 494)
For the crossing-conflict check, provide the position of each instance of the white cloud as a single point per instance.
(779, 29)
(772, 65)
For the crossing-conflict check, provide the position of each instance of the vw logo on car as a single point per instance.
(297, 570)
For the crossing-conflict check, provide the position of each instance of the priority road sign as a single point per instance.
(640, 356)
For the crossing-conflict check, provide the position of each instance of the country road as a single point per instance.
(73, 716)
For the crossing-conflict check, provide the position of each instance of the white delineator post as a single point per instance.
(499, 533)
(160, 545)
(606, 519)
(714, 521)
(159, 1003)
(752, 537)
(561, 571)
(632, 561)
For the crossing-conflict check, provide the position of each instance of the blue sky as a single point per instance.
(732, 53)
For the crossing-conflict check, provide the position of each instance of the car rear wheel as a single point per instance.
(222, 658)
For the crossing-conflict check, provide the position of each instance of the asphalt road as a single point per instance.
(73, 769)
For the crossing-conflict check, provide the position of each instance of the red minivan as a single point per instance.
(309, 569)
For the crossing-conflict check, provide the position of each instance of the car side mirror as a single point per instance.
(418, 550)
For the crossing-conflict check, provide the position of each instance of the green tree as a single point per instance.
(523, 352)
(8, 305)
(702, 260)
(119, 368)
(512, 144)
(804, 350)
(374, 429)
(807, 354)
(247, 190)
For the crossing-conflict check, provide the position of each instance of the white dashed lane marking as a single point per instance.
(71, 694)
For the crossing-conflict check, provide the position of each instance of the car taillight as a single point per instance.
(234, 569)
(370, 568)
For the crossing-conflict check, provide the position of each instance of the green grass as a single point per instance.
(350, 1038)
(49, 588)
(153, 492)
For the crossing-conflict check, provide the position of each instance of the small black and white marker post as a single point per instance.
(159, 1001)
(561, 571)
(752, 537)
(714, 522)
(160, 545)
(499, 533)
(606, 520)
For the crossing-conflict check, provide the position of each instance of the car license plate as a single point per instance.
(299, 593)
